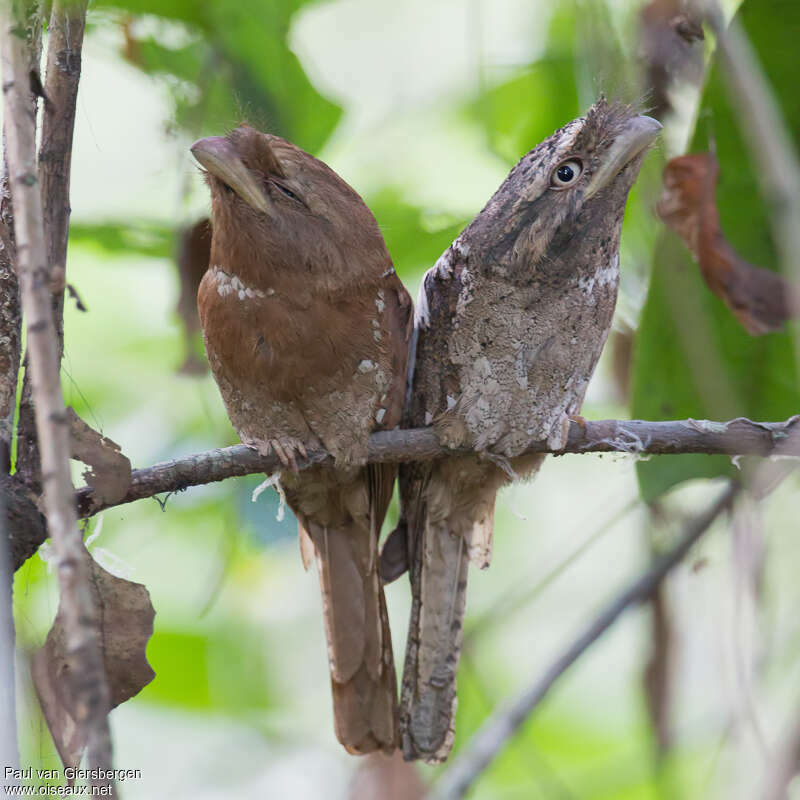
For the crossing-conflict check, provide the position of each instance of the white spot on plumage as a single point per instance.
(366, 366)
(521, 368)
(610, 273)
(603, 277)
(380, 415)
(228, 283)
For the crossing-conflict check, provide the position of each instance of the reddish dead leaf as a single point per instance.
(109, 472)
(194, 254)
(669, 33)
(759, 298)
(387, 777)
(126, 616)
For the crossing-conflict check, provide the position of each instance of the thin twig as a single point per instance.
(64, 46)
(637, 437)
(10, 345)
(503, 723)
(10, 312)
(90, 694)
(520, 595)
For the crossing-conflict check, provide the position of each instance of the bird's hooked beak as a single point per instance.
(220, 158)
(638, 134)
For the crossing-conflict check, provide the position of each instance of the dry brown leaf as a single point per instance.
(109, 472)
(194, 253)
(669, 31)
(759, 298)
(386, 777)
(126, 615)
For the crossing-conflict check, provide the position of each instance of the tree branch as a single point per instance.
(10, 312)
(89, 691)
(503, 723)
(783, 768)
(64, 46)
(637, 437)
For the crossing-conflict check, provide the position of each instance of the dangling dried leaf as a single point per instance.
(194, 254)
(126, 616)
(669, 33)
(759, 298)
(109, 472)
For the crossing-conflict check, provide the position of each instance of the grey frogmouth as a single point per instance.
(509, 327)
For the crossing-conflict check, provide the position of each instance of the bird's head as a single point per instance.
(275, 207)
(574, 184)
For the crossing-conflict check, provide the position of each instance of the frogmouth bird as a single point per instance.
(509, 326)
(306, 327)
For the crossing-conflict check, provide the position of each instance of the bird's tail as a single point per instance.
(343, 522)
(448, 514)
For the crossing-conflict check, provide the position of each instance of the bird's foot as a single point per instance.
(287, 448)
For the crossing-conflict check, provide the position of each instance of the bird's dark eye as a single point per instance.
(566, 173)
(288, 192)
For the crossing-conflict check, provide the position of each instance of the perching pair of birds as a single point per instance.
(310, 337)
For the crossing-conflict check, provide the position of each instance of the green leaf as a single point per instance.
(519, 113)
(234, 64)
(150, 239)
(414, 238)
(224, 669)
(692, 357)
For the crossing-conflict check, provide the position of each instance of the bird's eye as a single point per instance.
(566, 173)
(288, 192)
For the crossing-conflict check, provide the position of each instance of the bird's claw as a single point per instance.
(286, 448)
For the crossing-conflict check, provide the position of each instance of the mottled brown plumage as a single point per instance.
(510, 325)
(306, 328)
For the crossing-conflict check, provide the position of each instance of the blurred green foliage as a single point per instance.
(525, 109)
(238, 634)
(231, 61)
(140, 237)
(693, 358)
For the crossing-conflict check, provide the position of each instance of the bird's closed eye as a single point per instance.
(566, 173)
(287, 191)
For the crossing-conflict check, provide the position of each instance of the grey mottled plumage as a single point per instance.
(510, 324)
